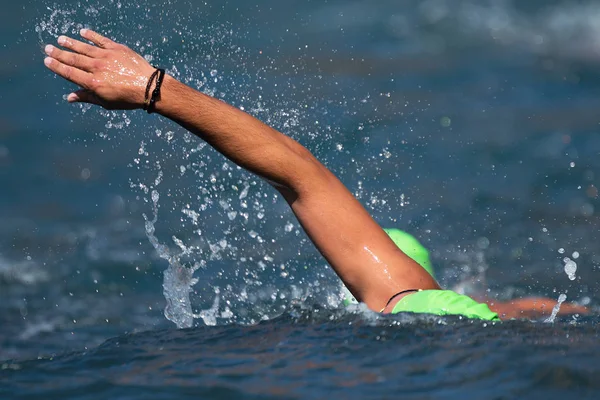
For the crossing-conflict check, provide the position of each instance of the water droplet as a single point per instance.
(570, 268)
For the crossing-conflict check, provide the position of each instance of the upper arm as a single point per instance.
(356, 247)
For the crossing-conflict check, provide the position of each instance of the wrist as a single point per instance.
(153, 90)
(169, 85)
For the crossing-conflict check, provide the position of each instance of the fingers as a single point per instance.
(78, 47)
(83, 96)
(97, 39)
(75, 75)
(71, 59)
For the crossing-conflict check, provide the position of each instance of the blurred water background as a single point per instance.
(472, 124)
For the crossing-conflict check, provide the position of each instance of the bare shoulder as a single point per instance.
(356, 247)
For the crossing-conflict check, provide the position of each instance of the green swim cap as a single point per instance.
(412, 248)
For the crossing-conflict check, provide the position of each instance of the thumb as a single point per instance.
(83, 96)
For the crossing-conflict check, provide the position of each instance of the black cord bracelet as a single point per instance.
(148, 86)
(156, 92)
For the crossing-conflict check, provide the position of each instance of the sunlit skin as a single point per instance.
(110, 75)
(531, 307)
(113, 76)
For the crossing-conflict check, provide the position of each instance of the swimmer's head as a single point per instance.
(412, 248)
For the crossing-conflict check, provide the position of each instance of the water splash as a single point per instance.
(556, 309)
(472, 277)
(178, 279)
(209, 316)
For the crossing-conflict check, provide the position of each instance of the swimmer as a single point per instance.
(528, 307)
(368, 262)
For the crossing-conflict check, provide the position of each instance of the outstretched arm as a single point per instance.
(359, 251)
(532, 307)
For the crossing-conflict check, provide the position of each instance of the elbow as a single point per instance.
(308, 175)
(300, 174)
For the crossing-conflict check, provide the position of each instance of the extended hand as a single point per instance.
(110, 74)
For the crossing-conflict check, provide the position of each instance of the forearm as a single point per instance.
(240, 137)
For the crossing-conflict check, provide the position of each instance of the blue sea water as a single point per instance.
(472, 124)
